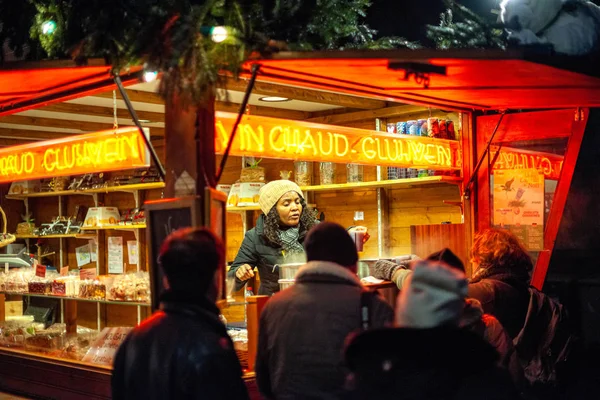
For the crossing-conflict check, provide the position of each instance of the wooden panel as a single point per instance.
(427, 239)
(527, 126)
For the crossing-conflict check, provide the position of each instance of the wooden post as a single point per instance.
(71, 316)
(253, 311)
(189, 146)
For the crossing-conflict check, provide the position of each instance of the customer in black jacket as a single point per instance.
(277, 238)
(182, 351)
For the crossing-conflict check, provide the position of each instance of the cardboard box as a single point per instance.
(101, 216)
(13, 308)
(234, 195)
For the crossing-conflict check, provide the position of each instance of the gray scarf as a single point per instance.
(290, 240)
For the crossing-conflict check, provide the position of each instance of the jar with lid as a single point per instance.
(327, 173)
(303, 173)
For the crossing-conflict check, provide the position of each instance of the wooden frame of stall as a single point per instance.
(32, 374)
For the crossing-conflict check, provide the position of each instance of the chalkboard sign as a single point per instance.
(164, 217)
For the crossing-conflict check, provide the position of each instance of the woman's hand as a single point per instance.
(244, 272)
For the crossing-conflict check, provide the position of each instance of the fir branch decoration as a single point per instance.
(462, 28)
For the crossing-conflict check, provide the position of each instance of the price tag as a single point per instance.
(40, 270)
(64, 271)
(87, 273)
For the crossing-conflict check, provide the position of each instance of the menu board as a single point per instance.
(519, 205)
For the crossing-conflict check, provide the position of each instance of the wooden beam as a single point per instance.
(313, 96)
(66, 124)
(10, 133)
(97, 111)
(153, 98)
(369, 114)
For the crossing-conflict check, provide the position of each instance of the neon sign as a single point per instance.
(281, 138)
(509, 158)
(111, 150)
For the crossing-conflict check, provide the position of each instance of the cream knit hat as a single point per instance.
(270, 194)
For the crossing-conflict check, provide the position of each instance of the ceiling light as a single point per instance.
(274, 99)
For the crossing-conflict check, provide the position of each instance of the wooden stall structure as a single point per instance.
(354, 95)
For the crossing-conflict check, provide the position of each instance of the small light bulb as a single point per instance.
(219, 34)
(48, 27)
(150, 76)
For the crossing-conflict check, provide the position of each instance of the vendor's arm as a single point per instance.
(245, 261)
(395, 272)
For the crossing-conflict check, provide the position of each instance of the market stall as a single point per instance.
(389, 141)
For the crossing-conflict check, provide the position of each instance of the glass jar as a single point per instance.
(303, 173)
(327, 173)
(355, 173)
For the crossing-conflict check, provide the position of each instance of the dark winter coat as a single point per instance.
(257, 251)
(425, 364)
(488, 328)
(503, 293)
(181, 352)
(303, 329)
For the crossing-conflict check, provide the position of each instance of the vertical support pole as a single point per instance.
(382, 209)
(71, 316)
(560, 197)
(469, 160)
(253, 311)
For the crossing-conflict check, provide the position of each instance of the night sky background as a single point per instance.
(408, 18)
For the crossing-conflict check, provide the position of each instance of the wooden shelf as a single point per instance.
(390, 184)
(70, 235)
(114, 227)
(252, 208)
(108, 189)
(126, 303)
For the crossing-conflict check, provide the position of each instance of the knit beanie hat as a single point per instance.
(446, 255)
(433, 296)
(270, 194)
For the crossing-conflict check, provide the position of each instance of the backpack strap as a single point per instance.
(366, 302)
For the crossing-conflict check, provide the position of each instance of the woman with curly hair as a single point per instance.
(501, 279)
(277, 238)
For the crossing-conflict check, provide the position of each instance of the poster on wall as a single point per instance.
(519, 205)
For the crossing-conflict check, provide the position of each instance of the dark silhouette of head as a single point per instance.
(189, 259)
(447, 256)
(328, 241)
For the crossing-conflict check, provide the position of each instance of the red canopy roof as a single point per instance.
(26, 85)
(473, 79)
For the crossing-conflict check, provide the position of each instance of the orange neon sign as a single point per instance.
(510, 158)
(299, 140)
(110, 150)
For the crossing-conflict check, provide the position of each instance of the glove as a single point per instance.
(384, 269)
(405, 261)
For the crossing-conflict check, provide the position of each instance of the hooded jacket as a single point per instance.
(488, 328)
(303, 329)
(257, 251)
(182, 352)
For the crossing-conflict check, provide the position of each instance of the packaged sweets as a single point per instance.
(17, 281)
(66, 286)
(450, 133)
(443, 129)
(303, 173)
(131, 287)
(422, 127)
(412, 173)
(433, 128)
(40, 286)
(391, 128)
(327, 173)
(412, 127)
(392, 173)
(89, 289)
(401, 127)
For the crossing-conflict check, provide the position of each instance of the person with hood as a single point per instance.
(500, 282)
(437, 360)
(303, 328)
(277, 237)
(183, 351)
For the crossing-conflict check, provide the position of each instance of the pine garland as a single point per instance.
(462, 28)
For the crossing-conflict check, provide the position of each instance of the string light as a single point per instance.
(219, 34)
(150, 76)
(48, 27)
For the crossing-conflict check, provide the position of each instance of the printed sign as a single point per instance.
(40, 270)
(281, 138)
(87, 273)
(519, 205)
(82, 253)
(64, 271)
(103, 349)
(115, 255)
(132, 252)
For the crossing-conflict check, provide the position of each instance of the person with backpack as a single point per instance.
(303, 328)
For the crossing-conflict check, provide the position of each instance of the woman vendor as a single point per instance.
(277, 237)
